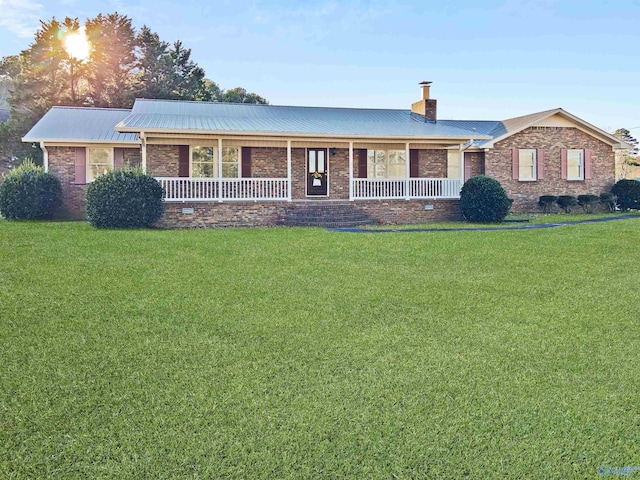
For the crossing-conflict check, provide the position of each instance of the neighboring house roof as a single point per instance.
(169, 116)
(73, 124)
(4, 115)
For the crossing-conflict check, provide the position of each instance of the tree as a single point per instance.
(240, 95)
(626, 160)
(123, 64)
(113, 61)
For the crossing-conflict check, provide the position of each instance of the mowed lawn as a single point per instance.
(303, 353)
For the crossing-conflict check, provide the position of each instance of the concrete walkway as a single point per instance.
(527, 226)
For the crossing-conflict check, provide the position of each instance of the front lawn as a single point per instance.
(303, 353)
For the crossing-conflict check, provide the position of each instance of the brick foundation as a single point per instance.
(254, 214)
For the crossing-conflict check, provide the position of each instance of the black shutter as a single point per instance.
(362, 163)
(414, 163)
(183, 160)
(246, 162)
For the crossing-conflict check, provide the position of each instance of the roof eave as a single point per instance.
(124, 129)
(79, 141)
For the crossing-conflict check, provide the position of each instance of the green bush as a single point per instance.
(588, 202)
(566, 202)
(124, 198)
(609, 200)
(546, 202)
(628, 193)
(28, 192)
(482, 199)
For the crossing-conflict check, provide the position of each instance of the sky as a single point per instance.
(487, 59)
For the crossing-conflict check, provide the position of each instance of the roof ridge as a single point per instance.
(70, 107)
(271, 105)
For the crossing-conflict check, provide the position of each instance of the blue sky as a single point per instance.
(491, 59)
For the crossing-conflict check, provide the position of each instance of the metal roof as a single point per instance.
(81, 124)
(181, 116)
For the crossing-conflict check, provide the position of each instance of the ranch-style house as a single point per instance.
(238, 164)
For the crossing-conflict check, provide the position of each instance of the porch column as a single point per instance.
(461, 160)
(143, 152)
(219, 169)
(289, 169)
(407, 172)
(350, 170)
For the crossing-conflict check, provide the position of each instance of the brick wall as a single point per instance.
(268, 162)
(410, 211)
(215, 214)
(498, 164)
(252, 214)
(62, 161)
(133, 157)
(477, 162)
(62, 164)
(432, 163)
(162, 160)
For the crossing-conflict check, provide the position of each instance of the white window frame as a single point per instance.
(90, 179)
(580, 164)
(534, 169)
(214, 149)
(372, 172)
(215, 160)
(238, 162)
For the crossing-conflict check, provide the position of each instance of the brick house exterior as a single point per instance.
(237, 165)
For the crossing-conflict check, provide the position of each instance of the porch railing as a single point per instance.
(180, 189)
(395, 188)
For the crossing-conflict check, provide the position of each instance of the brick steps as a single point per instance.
(324, 215)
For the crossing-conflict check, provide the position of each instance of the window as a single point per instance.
(230, 162)
(386, 163)
(453, 164)
(575, 164)
(204, 162)
(526, 164)
(99, 160)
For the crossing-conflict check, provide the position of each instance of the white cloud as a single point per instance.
(20, 17)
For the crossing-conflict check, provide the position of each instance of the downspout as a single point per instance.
(45, 156)
(143, 153)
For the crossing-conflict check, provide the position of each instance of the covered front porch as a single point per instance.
(259, 170)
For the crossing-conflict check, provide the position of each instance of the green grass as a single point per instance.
(511, 220)
(303, 353)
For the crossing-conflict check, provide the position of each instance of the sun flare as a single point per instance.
(77, 45)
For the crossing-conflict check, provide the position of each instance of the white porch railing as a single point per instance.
(391, 188)
(180, 189)
(434, 187)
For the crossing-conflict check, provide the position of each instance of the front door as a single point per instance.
(317, 172)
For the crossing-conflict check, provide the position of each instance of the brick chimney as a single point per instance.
(427, 106)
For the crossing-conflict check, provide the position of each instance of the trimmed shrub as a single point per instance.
(628, 193)
(482, 199)
(588, 202)
(609, 200)
(546, 202)
(566, 202)
(124, 198)
(28, 192)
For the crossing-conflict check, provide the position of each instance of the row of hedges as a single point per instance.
(125, 198)
(588, 202)
(624, 195)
